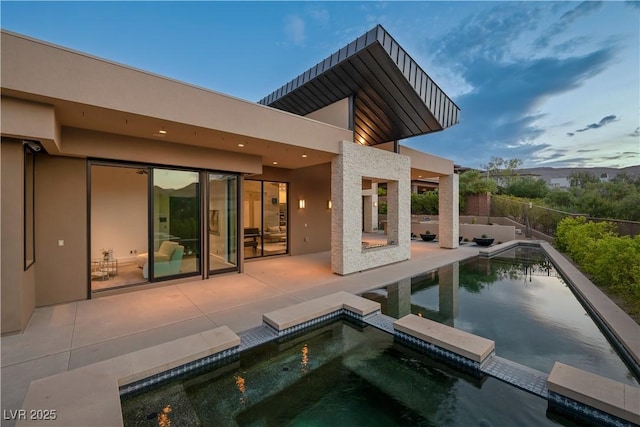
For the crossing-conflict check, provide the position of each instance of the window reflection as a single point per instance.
(176, 222)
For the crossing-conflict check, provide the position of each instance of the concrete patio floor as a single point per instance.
(68, 336)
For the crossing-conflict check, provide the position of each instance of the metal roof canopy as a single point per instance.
(393, 98)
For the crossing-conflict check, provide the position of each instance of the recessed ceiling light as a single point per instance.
(304, 155)
(275, 163)
(241, 145)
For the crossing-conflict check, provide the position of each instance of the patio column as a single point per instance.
(354, 164)
(448, 212)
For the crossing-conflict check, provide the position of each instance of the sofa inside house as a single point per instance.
(168, 259)
(275, 233)
(168, 267)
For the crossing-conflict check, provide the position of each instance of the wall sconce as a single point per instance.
(329, 204)
(375, 204)
(302, 204)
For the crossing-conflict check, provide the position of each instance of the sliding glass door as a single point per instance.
(149, 224)
(265, 211)
(223, 222)
(176, 223)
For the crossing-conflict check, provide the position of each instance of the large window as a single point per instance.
(29, 208)
(223, 222)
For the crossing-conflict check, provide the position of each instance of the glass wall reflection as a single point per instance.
(223, 227)
(264, 218)
(176, 222)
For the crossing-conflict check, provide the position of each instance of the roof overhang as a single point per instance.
(393, 98)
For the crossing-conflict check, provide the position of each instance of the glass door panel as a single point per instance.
(275, 218)
(176, 222)
(223, 228)
(119, 233)
(252, 218)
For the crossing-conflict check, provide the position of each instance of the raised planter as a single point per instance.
(427, 237)
(483, 241)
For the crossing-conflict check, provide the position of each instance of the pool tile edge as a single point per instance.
(592, 396)
(94, 399)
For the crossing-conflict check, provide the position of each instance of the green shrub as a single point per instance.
(611, 261)
(425, 203)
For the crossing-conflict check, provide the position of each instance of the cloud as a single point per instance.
(485, 35)
(587, 151)
(570, 133)
(603, 122)
(501, 114)
(294, 28)
(565, 21)
(634, 4)
(319, 14)
(635, 133)
(503, 106)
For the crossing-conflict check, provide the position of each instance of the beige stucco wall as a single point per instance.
(313, 184)
(336, 114)
(311, 226)
(36, 67)
(18, 286)
(80, 142)
(61, 214)
(31, 120)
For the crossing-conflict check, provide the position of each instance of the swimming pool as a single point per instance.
(517, 299)
(339, 374)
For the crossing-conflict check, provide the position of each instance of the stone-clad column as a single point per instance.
(348, 169)
(448, 212)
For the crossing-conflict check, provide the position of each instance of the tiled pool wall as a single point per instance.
(450, 358)
(584, 413)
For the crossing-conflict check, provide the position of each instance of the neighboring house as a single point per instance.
(559, 183)
(113, 176)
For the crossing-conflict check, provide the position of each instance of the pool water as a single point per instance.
(336, 375)
(517, 299)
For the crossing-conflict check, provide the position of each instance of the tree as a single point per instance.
(473, 182)
(425, 203)
(503, 170)
(528, 187)
(581, 179)
(560, 199)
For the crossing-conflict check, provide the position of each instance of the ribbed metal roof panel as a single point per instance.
(394, 97)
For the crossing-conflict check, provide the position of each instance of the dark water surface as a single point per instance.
(337, 376)
(518, 300)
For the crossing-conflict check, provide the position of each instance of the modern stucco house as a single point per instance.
(110, 172)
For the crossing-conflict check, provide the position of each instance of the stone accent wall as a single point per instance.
(354, 163)
(448, 212)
